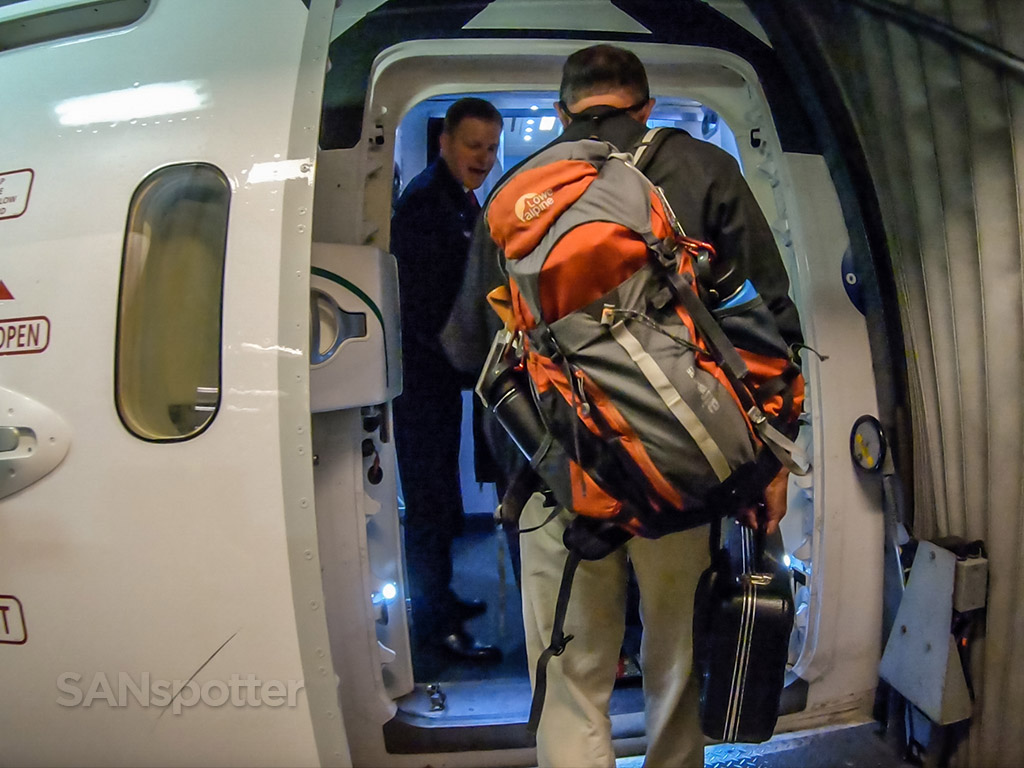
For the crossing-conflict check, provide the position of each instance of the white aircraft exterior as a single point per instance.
(199, 565)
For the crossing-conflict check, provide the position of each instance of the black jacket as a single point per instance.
(430, 235)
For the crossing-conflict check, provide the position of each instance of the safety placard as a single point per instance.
(15, 187)
(12, 621)
(24, 335)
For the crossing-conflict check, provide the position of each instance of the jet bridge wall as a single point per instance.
(935, 91)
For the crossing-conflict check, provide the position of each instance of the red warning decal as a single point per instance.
(15, 188)
(24, 335)
(4, 293)
(12, 621)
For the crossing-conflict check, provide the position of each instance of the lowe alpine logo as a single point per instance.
(533, 204)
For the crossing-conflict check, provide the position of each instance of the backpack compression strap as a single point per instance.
(721, 348)
(725, 354)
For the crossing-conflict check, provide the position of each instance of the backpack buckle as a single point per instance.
(559, 649)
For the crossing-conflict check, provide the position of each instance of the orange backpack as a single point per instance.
(659, 409)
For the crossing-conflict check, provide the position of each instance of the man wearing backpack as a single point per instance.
(604, 95)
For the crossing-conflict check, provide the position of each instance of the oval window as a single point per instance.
(167, 372)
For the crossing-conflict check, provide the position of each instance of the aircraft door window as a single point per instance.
(43, 22)
(167, 372)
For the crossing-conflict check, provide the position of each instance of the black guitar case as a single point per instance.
(743, 617)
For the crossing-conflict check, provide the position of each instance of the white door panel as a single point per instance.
(135, 560)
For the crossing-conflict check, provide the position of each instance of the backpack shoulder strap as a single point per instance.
(558, 641)
(648, 147)
(641, 159)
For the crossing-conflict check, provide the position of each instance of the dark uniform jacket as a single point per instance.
(430, 235)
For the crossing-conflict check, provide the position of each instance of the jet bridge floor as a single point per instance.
(857, 746)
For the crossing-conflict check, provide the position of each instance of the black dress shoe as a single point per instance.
(462, 645)
(470, 609)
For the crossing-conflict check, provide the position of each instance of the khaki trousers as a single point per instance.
(575, 729)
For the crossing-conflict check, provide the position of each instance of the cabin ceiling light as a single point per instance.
(547, 123)
(133, 103)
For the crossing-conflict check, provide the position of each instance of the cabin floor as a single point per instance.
(482, 570)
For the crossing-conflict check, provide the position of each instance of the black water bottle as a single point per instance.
(504, 389)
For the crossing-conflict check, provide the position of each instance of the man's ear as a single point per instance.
(645, 111)
(563, 118)
(444, 143)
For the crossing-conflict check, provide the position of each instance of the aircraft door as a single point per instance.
(160, 597)
(356, 373)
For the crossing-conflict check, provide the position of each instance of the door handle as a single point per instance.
(330, 326)
(34, 440)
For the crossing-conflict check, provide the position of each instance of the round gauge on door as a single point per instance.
(867, 444)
